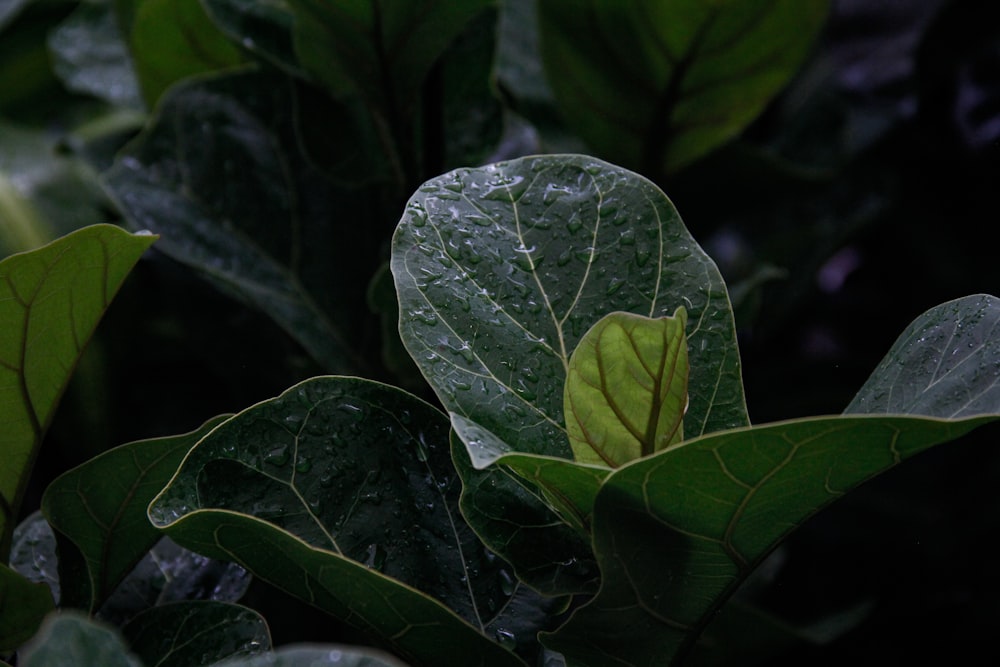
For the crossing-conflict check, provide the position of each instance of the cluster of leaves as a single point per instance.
(576, 481)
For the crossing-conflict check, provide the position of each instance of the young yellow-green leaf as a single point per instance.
(100, 507)
(626, 388)
(51, 300)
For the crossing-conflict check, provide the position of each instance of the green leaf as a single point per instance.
(90, 56)
(656, 85)
(342, 492)
(71, 638)
(548, 548)
(379, 51)
(219, 174)
(626, 388)
(675, 533)
(196, 633)
(500, 272)
(23, 605)
(172, 40)
(262, 27)
(945, 364)
(106, 522)
(51, 300)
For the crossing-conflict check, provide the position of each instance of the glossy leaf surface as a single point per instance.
(945, 364)
(500, 272)
(51, 300)
(196, 633)
(655, 85)
(626, 388)
(675, 533)
(341, 491)
(100, 507)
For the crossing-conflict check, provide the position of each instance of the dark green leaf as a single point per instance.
(23, 605)
(219, 174)
(342, 491)
(500, 271)
(51, 299)
(626, 388)
(545, 546)
(100, 507)
(655, 85)
(262, 27)
(946, 364)
(675, 533)
(379, 51)
(196, 633)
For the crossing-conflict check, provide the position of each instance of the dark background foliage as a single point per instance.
(863, 196)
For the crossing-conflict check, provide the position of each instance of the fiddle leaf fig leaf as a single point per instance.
(626, 389)
(106, 522)
(23, 605)
(501, 270)
(945, 364)
(676, 532)
(341, 491)
(51, 300)
(655, 85)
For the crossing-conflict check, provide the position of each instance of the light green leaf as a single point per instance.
(675, 533)
(342, 492)
(196, 633)
(70, 638)
(51, 300)
(23, 605)
(946, 364)
(626, 388)
(100, 507)
(655, 85)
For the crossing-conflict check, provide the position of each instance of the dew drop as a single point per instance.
(505, 638)
(278, 456)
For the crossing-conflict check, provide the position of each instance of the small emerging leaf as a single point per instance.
(626, 388)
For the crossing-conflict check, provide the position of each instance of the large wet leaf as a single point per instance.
(946, 364)
(100, 507)
(219, 173)
(501, 270)
(655, 85)
(626, 389)
(51, 300)
(342, 491)
(196, 633)
(677, 532)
